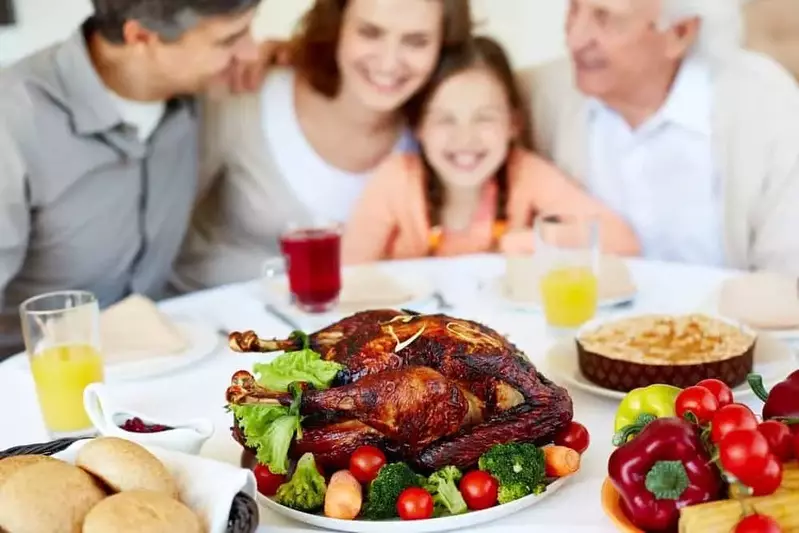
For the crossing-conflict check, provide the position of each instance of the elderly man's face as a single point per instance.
(614, 44)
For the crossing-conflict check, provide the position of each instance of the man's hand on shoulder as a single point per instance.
(248, 77)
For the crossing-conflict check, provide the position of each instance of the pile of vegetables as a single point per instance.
(372, 488)
(695, 448)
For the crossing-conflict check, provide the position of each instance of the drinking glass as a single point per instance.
(311, 259)
(568, 247)
(62, 339)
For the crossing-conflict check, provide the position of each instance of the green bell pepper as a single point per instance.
(641, 406)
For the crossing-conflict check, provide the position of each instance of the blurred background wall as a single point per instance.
(532, 30)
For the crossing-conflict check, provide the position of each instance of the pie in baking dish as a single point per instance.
(668, 340)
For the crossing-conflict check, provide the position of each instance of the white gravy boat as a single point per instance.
(185, 436)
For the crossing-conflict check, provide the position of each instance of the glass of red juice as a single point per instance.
(313, 265)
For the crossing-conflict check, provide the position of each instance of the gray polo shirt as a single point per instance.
(84, 204)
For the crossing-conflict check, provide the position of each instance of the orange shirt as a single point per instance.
(390, 220)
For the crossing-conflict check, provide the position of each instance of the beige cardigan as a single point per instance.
(756, 144)
(244, 201)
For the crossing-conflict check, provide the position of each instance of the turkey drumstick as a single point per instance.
(395, 403)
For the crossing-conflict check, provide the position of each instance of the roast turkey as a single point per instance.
(431, 390)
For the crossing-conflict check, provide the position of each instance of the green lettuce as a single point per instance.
(300, 366)
(270, 429)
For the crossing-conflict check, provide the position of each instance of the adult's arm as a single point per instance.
(775, 228)
(547, 190)
(212, 144)
(16, 119)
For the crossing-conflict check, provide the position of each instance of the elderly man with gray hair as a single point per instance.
(663, 116)
(98, 148)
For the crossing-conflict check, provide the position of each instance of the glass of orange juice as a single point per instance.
(62, 339)
(568, 249)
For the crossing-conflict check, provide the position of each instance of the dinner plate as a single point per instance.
(446, 523)
(773, 360)
(711, 305)
(204, 342)
(494, 290)
(419, 292)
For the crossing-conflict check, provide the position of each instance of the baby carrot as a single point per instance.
(560, 461)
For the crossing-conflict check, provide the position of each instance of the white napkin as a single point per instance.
(134, 329)
(205, 485)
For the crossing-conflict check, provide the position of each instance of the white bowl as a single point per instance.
(187, 436)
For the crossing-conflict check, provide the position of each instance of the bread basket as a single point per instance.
(243, 518)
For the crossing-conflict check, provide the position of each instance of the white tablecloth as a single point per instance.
(199, 390)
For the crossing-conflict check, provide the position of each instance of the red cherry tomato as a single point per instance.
(267, 481)
(720, 390)
(366, 462)
(415, 503)
(729, 418)
(779, 438)
(574, 436)
(698, 401)
(757, 523)
(769, 479)
(744, 454)
(479, 490)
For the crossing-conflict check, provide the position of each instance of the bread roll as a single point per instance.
(141, 511)
(125, 465)
(11, 465)
(51, 496)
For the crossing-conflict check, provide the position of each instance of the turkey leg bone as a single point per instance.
(320, 341)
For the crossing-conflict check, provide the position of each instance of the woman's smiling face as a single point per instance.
(388, 49)
(467, 128)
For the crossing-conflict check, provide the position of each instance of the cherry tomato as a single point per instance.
(366, 462)
(779, 438)
(267, 481)
(696, 400)
(769, 479)
(415, 503)
(757, 523)
(729, 418)
(720, 390)
(574, 436)
(744, 454)
(479, 490)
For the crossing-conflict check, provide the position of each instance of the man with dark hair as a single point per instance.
(98, 148)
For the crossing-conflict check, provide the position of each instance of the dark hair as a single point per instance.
(480, 52)
(315, 42)
(168, 18)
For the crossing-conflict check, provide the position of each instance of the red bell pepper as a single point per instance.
(665, 468)
(782, 403)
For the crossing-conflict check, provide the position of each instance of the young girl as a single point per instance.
(473, 186)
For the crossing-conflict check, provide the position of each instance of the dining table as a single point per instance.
(460, 290)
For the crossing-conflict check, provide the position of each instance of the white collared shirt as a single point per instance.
(662, 177)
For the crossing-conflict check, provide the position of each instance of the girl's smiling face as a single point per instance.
(467, 128)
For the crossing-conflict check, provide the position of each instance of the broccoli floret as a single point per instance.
(305, 491)
(385, 489)
(443, 485)
(518, 467)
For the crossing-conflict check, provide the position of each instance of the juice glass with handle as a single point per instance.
(568, 247)
(62, 339)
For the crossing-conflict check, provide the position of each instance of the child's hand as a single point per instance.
(517, 242)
